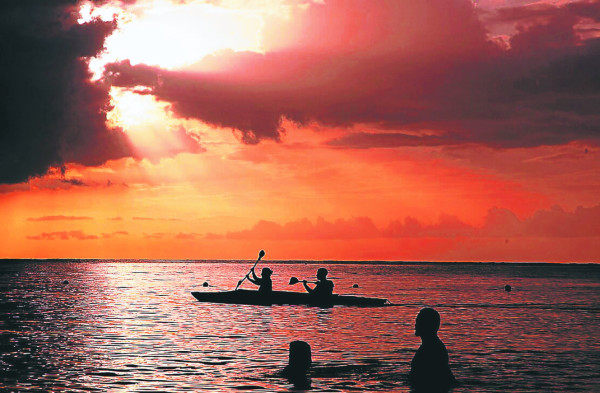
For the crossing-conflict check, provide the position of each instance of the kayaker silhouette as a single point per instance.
(265, 284)
(429, 369)
(323, 288)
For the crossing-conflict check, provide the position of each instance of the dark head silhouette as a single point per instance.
(429, 369)
(300, 357)
(300, 360)
(322, 273)
(427, 323)
(507, 288)
(266, 272)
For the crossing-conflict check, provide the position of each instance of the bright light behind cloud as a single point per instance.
(171, 35)
(174, 36)
(148, 123)
(87, 13)
(132, 109)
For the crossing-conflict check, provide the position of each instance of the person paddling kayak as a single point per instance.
(265, 284)
(323, 288)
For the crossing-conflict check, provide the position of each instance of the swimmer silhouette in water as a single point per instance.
(323, 288)
(265, 284)
(300, 360)
(429, 369)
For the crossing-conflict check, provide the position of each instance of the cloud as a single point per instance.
(74, 182)
(113, 234)
(363, 140)
(552, 223)
(557, 222)
(155, 142)
(340, 66)
(54, 179)
(397, 67)
(59, 218)
(154, 219)
(155, 235)
(63, 235)
(187, 236)
(51, 113)
(360, 227)
(355, 228)
(447, 226)
(213, 236)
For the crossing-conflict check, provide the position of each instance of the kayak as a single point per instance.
(244, 296)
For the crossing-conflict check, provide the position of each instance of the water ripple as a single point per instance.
(134, 327)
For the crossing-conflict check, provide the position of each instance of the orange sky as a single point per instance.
(250, 125)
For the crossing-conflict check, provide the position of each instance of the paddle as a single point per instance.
(294, 280)
(260, 255)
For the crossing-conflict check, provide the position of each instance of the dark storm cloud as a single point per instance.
(402, 66)
(49, 110)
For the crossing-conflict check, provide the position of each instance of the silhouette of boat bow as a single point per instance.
(244, 296)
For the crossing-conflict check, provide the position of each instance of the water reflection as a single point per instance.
(135, 327)
(39, 338)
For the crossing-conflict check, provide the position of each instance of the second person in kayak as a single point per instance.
(323, 288)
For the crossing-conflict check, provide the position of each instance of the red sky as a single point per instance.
(444, 130)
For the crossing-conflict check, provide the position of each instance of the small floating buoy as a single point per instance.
(66, 282)
(355, 286)
(507, 288)
(205, 284)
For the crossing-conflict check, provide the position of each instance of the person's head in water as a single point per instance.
(427, 323)
(266, 272)
(300, 358)
(322, 274)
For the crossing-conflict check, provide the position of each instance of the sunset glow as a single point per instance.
(170, 34)
(318, 129)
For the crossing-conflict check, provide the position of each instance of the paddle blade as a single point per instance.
(261, 254)
(294, 280)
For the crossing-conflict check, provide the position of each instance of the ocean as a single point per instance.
(132, 326)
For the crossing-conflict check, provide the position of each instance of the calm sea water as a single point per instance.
(133, 326)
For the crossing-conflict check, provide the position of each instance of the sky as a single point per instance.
(431, 130)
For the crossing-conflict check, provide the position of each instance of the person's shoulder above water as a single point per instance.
(430, 371)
